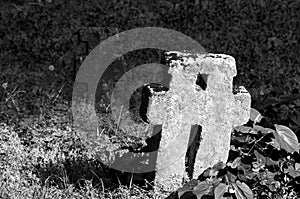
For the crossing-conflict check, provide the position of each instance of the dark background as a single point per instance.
(262, 35)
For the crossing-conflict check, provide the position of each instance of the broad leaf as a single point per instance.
(203, 188)
(244, 129)
(266, 160)
(218, 166)
(231, 177)
(261, 129)
(275, 143)
(187, 187)
(244, 138)
(297, 166)
(255, 116)
(220, 190)
(242, 191)
(286, 138)
(294, 172)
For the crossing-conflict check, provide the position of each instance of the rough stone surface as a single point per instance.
(215, 108)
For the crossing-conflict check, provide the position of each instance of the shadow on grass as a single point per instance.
(79, 171)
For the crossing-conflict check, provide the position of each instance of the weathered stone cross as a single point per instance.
(215, 108)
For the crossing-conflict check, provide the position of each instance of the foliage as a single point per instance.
(263, 163)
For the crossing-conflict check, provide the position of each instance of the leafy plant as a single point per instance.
(216, 182)
(263, 163)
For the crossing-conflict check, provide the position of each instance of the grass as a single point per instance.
(42, 156)
(42, 167)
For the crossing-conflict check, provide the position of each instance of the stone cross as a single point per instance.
(214, 107)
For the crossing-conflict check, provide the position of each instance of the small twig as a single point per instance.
(41, 113)
(119, 119)
(52, 84)
(100, 179)
(130, 183)
(99, 134)
(11, 97)
(102, 185)
(12, 94)
(148, 183)
(118, 180)
(36, 4)
(106, 109)
(17, 108)
(256, 143)
(18, 8)
(59, 92)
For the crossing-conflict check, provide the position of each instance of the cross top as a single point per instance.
(185, 68)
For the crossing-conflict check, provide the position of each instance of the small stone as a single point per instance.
(5, 85)
(51, 67)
